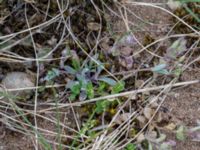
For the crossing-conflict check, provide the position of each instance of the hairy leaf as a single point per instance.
(160, 69)
(180, 133)
(70, 70)
(107, 80)
(118, 87)
(52, 74)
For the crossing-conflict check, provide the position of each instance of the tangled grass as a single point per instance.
(55, 38)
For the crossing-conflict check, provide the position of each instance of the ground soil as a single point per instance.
(184, 107)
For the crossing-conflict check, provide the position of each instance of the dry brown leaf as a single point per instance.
(105, 46)
(148, 112)
(121, 118)
(52, 41)
(170, 126)
(140, 138)
(152, 134)
(93, 26)
(154, 104)
(126, 51)
(142, 121)
(139, 83)
(126, 62)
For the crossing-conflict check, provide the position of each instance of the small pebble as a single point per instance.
(16, 80)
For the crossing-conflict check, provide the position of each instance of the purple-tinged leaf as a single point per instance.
(70, 70)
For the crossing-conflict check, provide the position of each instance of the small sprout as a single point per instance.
(161, 138)
(161, 69)
(101, 106)
(177, 48)
(52, 74)
(70, 70)
(177, 71)
(90, 90)
(180, 133)
(130, 146)
(102, 86)
(76, 64)
(75, 88)
(88, 80)
(118, 87)
(167, 145)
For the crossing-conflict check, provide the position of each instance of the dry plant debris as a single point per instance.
(102, 72)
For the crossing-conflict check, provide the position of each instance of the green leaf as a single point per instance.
(118, 87)
(177, 71)
(84, 71)
(163, 71)
(70, 70)
(52, 74)
(150, 147)
(160, 69)
(101, 106)
(72, 97)
(75, 88)
(130, 146)
(102, 86)
(161, 138)
(192, 13)
(167, 145)
(180, 133)
(90, 90)
(76, 64)
(107, 80)
(81, 78)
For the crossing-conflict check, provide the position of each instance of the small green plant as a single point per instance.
(130, 146)
(172, 61)
(51, 74)
(100, 107)
(103, 105)
(181, 133)
(86, 80)
(82, 85)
